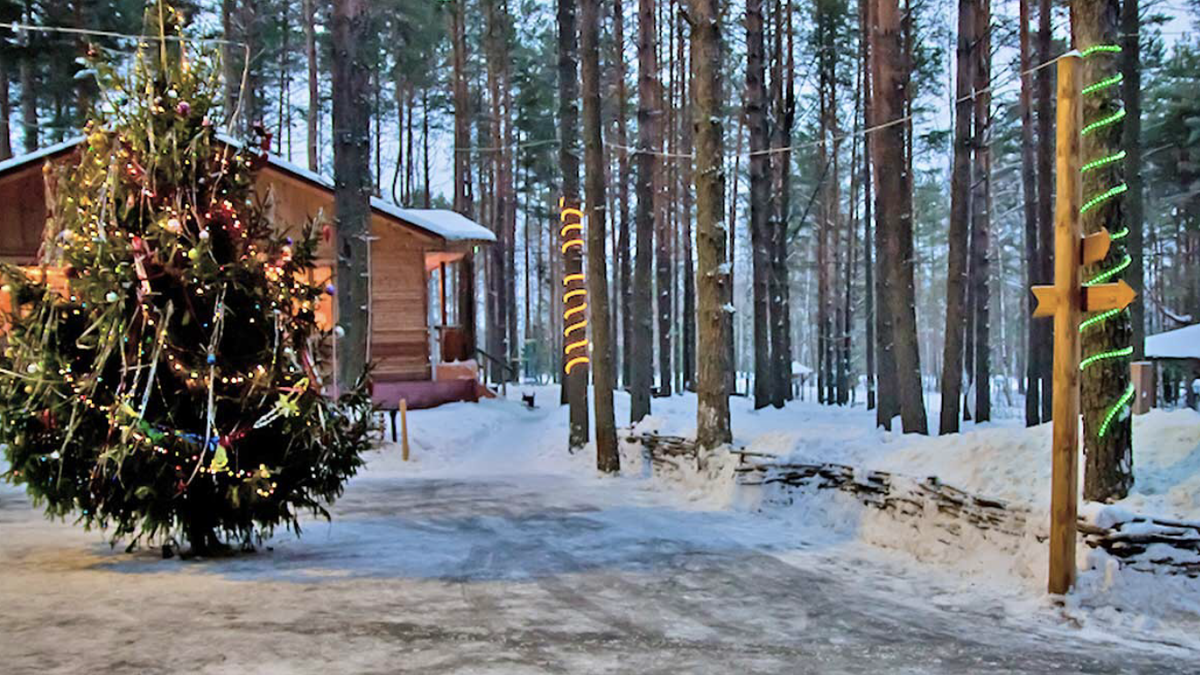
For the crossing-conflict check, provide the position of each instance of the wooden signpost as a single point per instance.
(1066, 301)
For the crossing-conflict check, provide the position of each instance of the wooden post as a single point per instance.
(1142, 374)
(442, 288)
(1068, 286)
(404, 428)
(1066, 301)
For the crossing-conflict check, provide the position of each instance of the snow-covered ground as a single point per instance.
(1001, 460)
(494, 551)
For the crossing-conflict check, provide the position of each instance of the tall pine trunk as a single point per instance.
(686, 183)
(313, 114)
(887, 403)
(229, 54)
(1107, 429)
(760, 236)
(713, 283)
(624, 254)
(502, 278)
(29, 101)
(603, 368)
(463, 198)
(575, 383)
(981, 202)
(5, 111)
(664, 269)
(1045, 200)
(732, 225)
(960, 213)
(783, 97)
(352, 176)
(649, 135)
(1132, 144)
(1029, 188)
(868, 204)
(891, 90)
(284, 72)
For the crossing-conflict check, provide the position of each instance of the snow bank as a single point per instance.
(1013, 463)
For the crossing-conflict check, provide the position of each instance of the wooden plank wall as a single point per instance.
(22, 214)
(399, 301)
(399, 306)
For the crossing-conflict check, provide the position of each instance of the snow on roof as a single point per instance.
(1182, 343)
(800, 369)
(442, 223)
(448, 225)
(48, 151)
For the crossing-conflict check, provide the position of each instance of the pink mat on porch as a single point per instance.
(424, 393)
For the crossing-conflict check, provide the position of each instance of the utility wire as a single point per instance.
(113, 34)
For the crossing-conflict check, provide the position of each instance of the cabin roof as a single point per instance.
(19, 161)
(1181, 343)
(448, 225)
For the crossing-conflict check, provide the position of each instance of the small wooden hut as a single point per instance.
(422, 312)
(1176, 353)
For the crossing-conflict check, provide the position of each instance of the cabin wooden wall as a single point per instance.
(399, 306)
(399, 301)
(22, 214)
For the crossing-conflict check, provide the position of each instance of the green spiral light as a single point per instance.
(1115, 410)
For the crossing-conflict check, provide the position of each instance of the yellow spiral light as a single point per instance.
(574, 290)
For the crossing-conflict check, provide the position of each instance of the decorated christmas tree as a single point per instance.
(174, 383)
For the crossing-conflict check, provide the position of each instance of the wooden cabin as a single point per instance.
(422, 317)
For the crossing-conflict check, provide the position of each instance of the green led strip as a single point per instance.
(1113, 49)
(1091, 321)
(1097, 163)
(1101, 198)
(1116, 409)
(1108, 274)
(1104, 84)
(1103, 122)
(1099, 87)
(1104, 356)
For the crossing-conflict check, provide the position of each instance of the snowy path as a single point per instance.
(497, 567)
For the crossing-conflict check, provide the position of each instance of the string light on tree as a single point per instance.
(1121, 404)
(182, 349)
(575, 345)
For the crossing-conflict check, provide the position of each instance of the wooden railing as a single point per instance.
(508, 371)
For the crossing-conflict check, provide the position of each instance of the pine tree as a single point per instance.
(713, 283)
(891, 94)
(760, 184)
(352, 178)
(960, 210)
(313, 114)
(1029, 189)
(575, 387)
(649, 139)
(1105, 388)
(1044, 337)
(981, 203)
(176, 383)
(604, 370)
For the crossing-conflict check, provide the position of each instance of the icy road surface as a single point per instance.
(509, 567)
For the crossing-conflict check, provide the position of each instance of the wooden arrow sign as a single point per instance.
(1102, 297)
(1095, 246)
(1047, 301)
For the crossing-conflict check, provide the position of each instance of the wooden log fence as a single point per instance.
(1141, 542)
